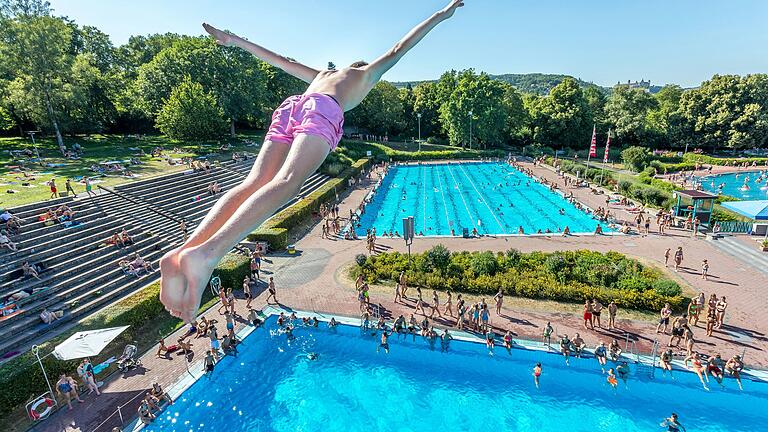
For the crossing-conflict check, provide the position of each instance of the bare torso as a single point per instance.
(348, 86)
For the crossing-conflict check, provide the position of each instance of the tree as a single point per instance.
(410, 122)
(665, 123)
(280, 85)
(141, 50)
(518, 120)
(637, 158)
(728, 111)
(90, 40)
(483, 97)
(241, 88)
(381, 112)
(29, 8)
(231, 75)
(561, 119)
(596, 101)
(37, 49)
(191, 113)
(6, 121)
(90, 107)
(427, 103)
(626, 113)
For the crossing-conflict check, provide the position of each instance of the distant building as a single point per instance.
(642, 84)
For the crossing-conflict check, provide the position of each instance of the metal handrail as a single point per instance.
(654, 353)
(148, 206)
(225, 168)
(119, 412)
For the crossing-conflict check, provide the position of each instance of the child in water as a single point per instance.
(536, 374)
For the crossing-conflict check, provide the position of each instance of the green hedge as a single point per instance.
(276, 237)
(380, 152)
(232, 269)
(21, 377)
(571, 276)
(400, 156)
(275, 230)
(709, 160)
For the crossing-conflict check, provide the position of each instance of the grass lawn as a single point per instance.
(97, 148)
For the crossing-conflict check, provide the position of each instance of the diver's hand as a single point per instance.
(448, 11)
(222, 37)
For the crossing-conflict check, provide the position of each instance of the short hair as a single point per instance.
(359, 64)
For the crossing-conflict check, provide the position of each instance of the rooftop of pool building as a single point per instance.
(494, 198)
(341, 379)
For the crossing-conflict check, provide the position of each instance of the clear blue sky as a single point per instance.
(604, 41)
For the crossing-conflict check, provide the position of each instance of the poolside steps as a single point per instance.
(751, 257)
(81, 273)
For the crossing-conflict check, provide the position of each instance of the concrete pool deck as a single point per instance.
(312, 280)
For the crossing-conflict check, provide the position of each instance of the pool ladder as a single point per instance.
(646, 369)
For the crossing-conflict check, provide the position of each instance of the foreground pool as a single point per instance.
(272, 386)
(494, 198)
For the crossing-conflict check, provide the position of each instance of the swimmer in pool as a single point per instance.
(384, 342)
(672, 424)
(622, 370)
(536, 374)
(612, 379)
(304, 130)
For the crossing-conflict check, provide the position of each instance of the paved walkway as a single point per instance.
(314, 280)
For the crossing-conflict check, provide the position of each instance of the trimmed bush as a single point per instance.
(439, 257)
(232, 270)
(636, 158)
(276, 237)
(275, 230)
(484, 264)
(666, 287)
(570, 276)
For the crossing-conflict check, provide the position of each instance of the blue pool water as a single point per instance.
(495, 198)
(733, 185)
(272, 386)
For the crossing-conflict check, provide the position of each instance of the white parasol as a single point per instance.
(86, 343)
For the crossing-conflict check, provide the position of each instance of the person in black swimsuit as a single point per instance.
(672, 424)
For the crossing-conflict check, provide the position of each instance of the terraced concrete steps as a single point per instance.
(82, 272)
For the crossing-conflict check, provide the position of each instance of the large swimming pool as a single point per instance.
(494, 198)
(272, 386)
(748, 185)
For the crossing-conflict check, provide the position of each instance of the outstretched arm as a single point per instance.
(384, 63)
(291, 67)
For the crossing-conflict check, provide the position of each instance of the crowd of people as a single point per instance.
(329, 214)
(476, 317)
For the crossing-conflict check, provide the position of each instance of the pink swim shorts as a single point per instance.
(312, 114)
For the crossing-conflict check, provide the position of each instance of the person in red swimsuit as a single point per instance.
(52, 185)
(588, 308)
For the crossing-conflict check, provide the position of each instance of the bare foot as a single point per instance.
(172, 282)
(196, 266)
